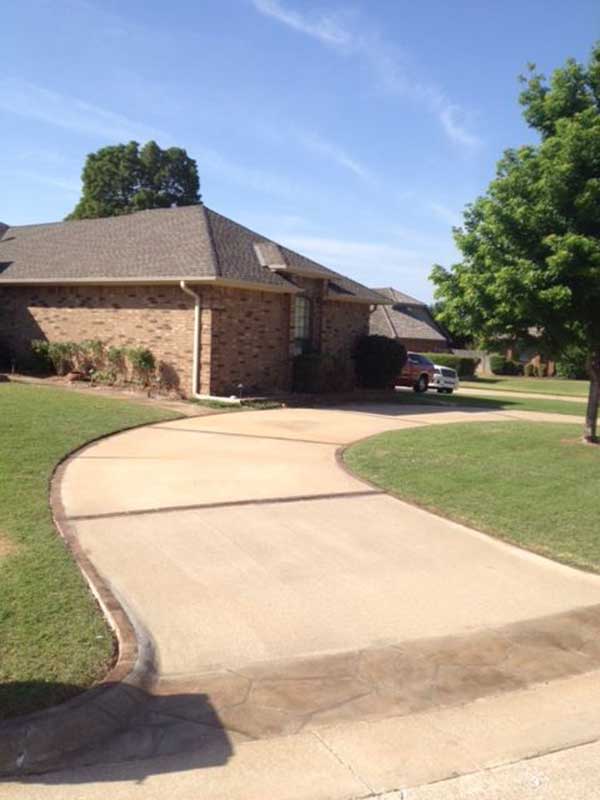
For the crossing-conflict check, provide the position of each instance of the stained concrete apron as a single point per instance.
(312, 632)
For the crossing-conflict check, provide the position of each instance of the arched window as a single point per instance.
(302, 324)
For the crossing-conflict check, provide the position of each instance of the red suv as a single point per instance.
(417, 372)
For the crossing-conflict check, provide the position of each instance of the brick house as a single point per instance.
(216, 303)
(410, 321)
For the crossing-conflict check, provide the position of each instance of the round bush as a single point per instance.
(378, 361)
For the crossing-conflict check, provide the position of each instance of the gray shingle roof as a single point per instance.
(191, 242)
(157, 244)
(399, 297)
(407, 318)
(237, 257)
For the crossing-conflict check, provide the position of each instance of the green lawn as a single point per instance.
(507, 383)
(510, 402)
(54, 641)
(533, 484)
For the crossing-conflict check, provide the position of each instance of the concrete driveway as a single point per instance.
(237, 539)
(305, 605)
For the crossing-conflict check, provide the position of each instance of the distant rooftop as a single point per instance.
(406, 318)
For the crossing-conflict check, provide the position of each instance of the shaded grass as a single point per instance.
(495, 403)
(507, 383)
(54, 640)
(534, 484)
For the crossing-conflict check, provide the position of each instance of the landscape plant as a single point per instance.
(505, 366)
(572, 363)
(531, 243)
(62, 356)
(378, 361)
(116, 359)
(321, 372)
(464, 366)
(143, 364)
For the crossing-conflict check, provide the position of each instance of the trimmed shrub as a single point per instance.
(572, 364)
(106, 376)
(168, 378)
(321, 373)
(503, 366)
(40, 356)
(143, 364)
(378, 361)
(4, 358)
(88, 356)
(61, 355)
(116, 360)
(497, 364)
(465, 367)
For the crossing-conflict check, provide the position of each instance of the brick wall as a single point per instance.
(158, 317)
(343, 323)
(249, 341)
(245, 335)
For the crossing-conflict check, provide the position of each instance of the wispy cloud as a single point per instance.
(36, 102)
(210, 161)
(334, 153)
(324, 27)
(450, 115)
(351, 253)
(446, 214)
(65, 184)
(384, 59)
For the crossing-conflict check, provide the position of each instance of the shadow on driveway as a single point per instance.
(166, 733)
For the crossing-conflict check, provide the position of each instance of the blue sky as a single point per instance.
(354, 132)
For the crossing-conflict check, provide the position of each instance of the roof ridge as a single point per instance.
(392, 327)
(282, 246)
(101, 219)
(213, 248)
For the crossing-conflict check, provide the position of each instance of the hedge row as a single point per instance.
(375, 363)
(504, 366)
(465, 367)
(94, 360)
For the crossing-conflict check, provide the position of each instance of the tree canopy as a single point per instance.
(531, 243)
(123, 178)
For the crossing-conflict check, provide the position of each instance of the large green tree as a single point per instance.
(123, 178)
(531, 244)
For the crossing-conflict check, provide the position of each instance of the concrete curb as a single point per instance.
(44, 740)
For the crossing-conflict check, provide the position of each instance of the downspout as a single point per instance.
(196, 354)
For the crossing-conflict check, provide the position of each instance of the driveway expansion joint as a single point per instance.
(262, 501)
(344, 763)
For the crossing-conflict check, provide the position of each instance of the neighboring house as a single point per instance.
(410, 321)
(216, 303)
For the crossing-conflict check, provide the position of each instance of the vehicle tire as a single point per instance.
(421, 385)
(449, 391)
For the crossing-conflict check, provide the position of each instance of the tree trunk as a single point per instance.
(591, 415)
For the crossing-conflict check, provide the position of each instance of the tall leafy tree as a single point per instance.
(531, 243)
(123, 178)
